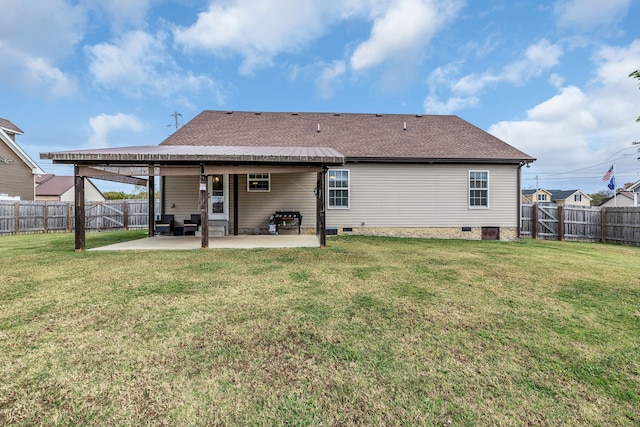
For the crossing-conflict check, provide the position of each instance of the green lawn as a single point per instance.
(368, 331)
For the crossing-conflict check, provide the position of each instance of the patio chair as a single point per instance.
(165, 224)
(192, 225)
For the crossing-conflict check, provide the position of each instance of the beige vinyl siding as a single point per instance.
(91, 194)
(289, 191)
(16, 178)
(181, 196)
(413, 195)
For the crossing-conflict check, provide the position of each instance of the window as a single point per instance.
(338, 189)
(259, 182)
(577, 198)
(219, 197)
(542, 197)
(478, 189)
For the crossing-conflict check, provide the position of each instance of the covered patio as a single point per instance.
(227, 242)
(131, 163)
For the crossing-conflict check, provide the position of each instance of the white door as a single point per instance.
(219, 197)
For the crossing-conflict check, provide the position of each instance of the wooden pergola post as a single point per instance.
(80, 231)
(323, 216)
(151, 191)
(204, 208)
(235, 203)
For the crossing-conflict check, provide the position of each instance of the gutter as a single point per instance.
(434, 160)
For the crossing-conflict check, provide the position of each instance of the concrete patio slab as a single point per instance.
(227, 242)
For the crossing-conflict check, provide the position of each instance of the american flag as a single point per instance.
(607, 176)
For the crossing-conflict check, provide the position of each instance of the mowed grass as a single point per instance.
(368, 331)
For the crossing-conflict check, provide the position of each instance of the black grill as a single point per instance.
(284, 219)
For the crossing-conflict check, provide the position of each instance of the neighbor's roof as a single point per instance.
(390, 137)
(7, 135)
(531, 192)
(565, 194)
(8, 126)
(555, 194)
(54, 185)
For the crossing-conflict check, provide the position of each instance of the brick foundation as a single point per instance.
(475, 233)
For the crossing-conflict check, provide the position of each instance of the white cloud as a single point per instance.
(34, 39)
(49, 30)
(42, 74)
(537, 58)
(585, 15)
(578, 128)
(434, 106)
(404, 29)
(104, 124)
(258, 30)
(330, 79)
(125, 12)
(138, 64)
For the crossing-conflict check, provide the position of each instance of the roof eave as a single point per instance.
(72, 158)
(432, 160)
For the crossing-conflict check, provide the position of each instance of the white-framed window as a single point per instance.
(259, 182)
(577, 197)
(338, 188)
(542, 197)
(478, 189)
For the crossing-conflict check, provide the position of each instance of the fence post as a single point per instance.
(125, 211)
(45, 226)
(68, 227)
(534, 221)
(16, 215)
(603, 225)
(560, 222)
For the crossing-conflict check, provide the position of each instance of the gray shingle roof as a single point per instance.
(55, 185)
(6, 124)
(357, 136)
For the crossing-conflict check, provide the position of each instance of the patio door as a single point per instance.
(219, 197)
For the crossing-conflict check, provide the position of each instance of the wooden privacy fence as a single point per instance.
(24, 216)
(581, 223)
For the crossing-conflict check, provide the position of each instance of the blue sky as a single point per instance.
(550, 78)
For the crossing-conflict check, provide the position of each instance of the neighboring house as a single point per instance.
(402, 175)
(629, 197)
(536, 196)
(635, 188)
(61, 189)
(621, 199)
(570, 197)
(559, 197)
(17, 170)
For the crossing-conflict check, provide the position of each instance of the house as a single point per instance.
(17, 169)
(536, 196)
(61, 188)
(628, 197)
(393, 174)
(621, 199)
(635, 188)
(559, 197)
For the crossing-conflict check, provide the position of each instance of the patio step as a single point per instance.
(217, 231)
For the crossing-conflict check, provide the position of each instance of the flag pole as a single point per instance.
(615, 193)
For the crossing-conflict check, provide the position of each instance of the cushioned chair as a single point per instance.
(165, 224)
(192, 225)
